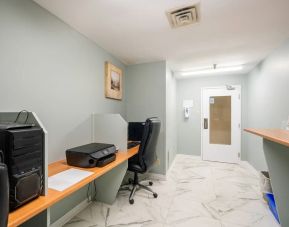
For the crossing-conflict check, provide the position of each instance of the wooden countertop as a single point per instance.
(38, 205)
(276, 135)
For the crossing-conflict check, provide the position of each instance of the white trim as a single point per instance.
(251, 168)
(156, 176)
(239, 86)
(202, 110)
(70, 214)
(172, 165)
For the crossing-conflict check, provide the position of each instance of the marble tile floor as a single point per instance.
(196, 194)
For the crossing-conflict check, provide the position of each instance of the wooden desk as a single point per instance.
(38, 205)
(275, 135)
(276, 149)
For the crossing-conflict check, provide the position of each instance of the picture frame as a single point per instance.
(113, 81)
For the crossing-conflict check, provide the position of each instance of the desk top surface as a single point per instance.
(38, 205)
(275, 135)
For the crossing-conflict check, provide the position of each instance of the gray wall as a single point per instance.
(189, 130)
(268, 103)
(171, 117)
(48, 68)
(146, 97)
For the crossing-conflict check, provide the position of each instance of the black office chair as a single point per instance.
(145, 158)
(4, 193)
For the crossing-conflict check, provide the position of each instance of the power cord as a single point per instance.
(19, 114)
(1, 156)
(91, 191)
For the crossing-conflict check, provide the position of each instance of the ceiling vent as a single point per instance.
(183, 16)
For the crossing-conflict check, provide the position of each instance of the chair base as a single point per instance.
(136, 185)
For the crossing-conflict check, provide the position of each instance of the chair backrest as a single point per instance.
(135, 131)
(147, 151)
(4, 193)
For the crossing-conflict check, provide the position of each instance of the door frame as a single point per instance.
(240, 124)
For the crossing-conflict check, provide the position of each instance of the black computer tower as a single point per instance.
(23, 154)
(4, 193)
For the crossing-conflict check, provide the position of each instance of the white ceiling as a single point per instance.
(137, 31)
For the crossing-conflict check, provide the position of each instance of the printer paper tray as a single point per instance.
(106, 160)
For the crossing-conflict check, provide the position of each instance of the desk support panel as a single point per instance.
(108, 185)
(41, 219)
(277, 157)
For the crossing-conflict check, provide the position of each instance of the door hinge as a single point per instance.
(239, 96)
(239, 155)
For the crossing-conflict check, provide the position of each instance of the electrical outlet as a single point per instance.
(158, 162)
(285, 124)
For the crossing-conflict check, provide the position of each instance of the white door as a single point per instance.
(221, 124)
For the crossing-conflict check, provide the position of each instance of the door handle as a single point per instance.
(205, 123)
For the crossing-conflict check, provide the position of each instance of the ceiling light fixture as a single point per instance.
(212, 70)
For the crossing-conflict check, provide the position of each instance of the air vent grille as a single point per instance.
(183, 16)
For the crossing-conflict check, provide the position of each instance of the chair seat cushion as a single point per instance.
(135, 168)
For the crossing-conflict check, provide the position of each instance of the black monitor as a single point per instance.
(135, 131)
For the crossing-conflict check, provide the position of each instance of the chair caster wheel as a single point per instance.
(150, 183)
(131, 201)
(155, 195)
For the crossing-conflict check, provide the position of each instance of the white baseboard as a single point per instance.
(70, 214)
(172, 165)
(156, 176)
(248, 166)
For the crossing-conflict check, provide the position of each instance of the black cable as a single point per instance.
(90, 191)
(1, 156)
(95, 192)
(87, 193)
(19, 114)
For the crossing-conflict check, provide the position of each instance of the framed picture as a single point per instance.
(113, 81)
